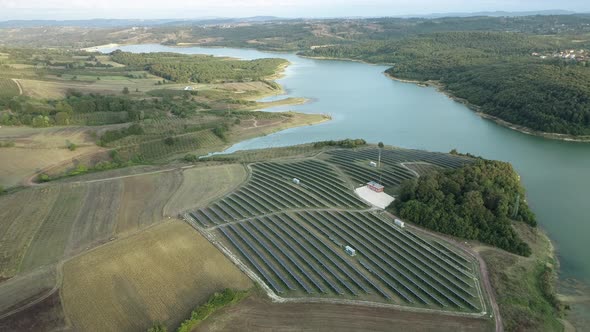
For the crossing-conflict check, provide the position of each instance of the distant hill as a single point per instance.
(113, 23)
(498, 14)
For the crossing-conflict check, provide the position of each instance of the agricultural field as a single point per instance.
(256, 313)
(32, 150)
(70, 217)
(45, 315)
(8, 88)
(19, 223)
(202, 185)
(143, 199)
(20, 290)
(169, 139)
(292, 221)
(65, 219)
(76, 105)
(158, 275)
(58, 87)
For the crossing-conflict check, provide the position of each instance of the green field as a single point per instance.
(8, 88)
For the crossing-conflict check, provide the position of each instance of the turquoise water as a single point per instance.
(364, 103)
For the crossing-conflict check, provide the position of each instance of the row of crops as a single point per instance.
(8, 88)
(159, 149)
(390, 173)
(271, 189)
(301, 253)
(99, 118)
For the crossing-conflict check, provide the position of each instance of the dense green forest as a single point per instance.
(290, 34)
(492, 70)
(478, 201)
(199, 68)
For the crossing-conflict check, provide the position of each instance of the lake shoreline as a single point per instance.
(477, 109)
(342, 59)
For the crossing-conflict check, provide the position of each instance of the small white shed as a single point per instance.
(399, 223)
(350, 250)
(372, 164)
(296, 181)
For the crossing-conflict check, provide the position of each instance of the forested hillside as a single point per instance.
(199, 68)
(478, 201)
(492, 70)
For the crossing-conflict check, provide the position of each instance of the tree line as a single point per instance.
(479, 201)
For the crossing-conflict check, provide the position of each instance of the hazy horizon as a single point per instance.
(175, 9)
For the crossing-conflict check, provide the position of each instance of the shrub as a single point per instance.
(44, 178)
(191, 158)
(71, 146)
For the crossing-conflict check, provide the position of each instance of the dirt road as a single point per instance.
(20, 88)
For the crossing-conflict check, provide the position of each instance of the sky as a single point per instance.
(151, 9)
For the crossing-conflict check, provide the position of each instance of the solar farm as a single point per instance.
(314, 238)
(354, 163)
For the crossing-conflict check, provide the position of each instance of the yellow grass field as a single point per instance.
(202, 185)
(36, 149)
(16, 164)
(160, 274)
(56, 89)
(144, 198)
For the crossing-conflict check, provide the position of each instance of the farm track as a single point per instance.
(20, 89)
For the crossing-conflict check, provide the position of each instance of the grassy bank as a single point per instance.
(216, 301)
(525, 287)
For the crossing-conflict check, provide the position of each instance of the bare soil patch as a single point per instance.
(46, 315)
(257, 314)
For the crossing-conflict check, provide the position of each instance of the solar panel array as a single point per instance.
(302, 253)
(271, 189)
(355, 163)
(293, 234)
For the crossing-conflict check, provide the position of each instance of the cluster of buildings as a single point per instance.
(577, 55)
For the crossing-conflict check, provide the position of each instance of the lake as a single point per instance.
(364, 103)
